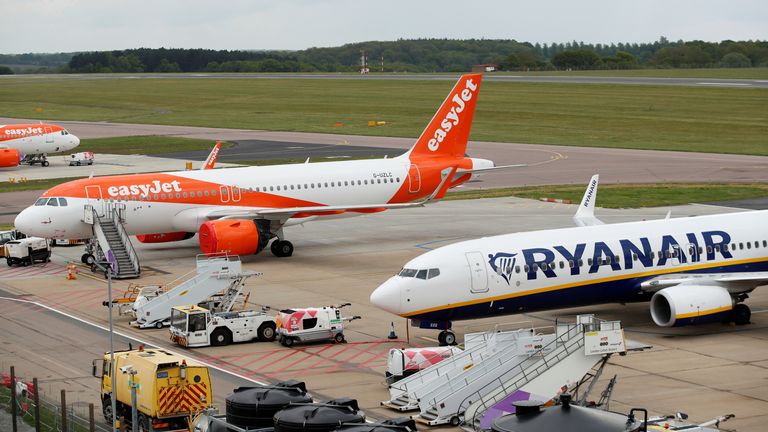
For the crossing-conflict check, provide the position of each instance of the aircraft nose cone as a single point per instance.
(387, 296)
(23, 221)
(75, 141)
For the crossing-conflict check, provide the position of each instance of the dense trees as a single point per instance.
(410, 55)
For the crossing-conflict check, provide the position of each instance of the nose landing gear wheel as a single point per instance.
(45, 163)
(446, 338)
(282, 248)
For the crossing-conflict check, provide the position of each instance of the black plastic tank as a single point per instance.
(254, 407)
(399, 424)
(530, 417)
(318, 417)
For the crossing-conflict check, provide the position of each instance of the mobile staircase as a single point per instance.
(536, 364)
(406, 393)
(111, 242)
(218, 281)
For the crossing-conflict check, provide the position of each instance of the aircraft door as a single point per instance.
(478, 275)
(414, 179)
(235, 194)
(224, 193)
(48, 135)
(94, 198)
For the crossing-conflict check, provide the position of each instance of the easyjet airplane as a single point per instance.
(239, 210)
(31, 143)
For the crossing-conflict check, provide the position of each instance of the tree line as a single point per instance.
(408, 55)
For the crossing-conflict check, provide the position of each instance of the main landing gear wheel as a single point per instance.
(741, 314)
(446, 338)
(87, 258)
(282, 248)
(45, 163)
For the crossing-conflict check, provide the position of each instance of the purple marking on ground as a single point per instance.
(505, 406)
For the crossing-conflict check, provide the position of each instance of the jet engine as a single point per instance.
(233, 236)
(9, 157)
(164, 237)
(690, 304)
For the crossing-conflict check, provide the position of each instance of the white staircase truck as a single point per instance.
(538, 364)
(218, 281)
(110, 241)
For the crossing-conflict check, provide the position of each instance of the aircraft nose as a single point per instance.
(24, 221)
(75, 141)
(387, 296)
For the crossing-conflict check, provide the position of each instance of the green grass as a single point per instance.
(724, 73)
(32, 185)
(706, 119)
(147, 144)
(630, 195)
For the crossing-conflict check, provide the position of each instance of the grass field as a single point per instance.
(147, 145)
(631, 196)
(722, 120)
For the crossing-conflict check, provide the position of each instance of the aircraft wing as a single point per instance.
(585, 215)
(737, 282)
(288, 212)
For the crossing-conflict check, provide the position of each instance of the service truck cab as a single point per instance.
(170, 389)
(196, 326)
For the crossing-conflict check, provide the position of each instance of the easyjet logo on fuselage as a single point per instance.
(452, 117)
(27, 131)
(145, 189)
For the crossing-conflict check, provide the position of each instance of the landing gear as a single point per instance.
(282, 248)
(740, 314)
(42, 159)
(446, 338)
(87, 259)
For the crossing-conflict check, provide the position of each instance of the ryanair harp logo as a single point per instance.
(503, 264)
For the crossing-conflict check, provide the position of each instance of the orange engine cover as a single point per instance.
(9, 157)
(164, 237)
(231, 236)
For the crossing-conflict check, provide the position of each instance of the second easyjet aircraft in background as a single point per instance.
(32, 143)
(239, 210)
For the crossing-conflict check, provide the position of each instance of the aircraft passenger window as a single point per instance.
(378, 181)
(749, 245)
(278, 188)
(422, 274)
(306, 186)
(616, 258)
(291, 187)
(562, 264)
(326, 184)
(709, 249)
(551, 266)
(570, 263)
(607, 260)
(365, 182)
(41, 201)
(589, 261)
(765, 243)
(359, 183)
(757, 244)
(398, 179)
(517, 269)
(63, 202)
(346, 183)
(725, 247)
(581, 262)
(717, 248)
(526, 268)
(285, 187)
(634, 257)
(184, 195)
(271, 188)
(741, 245)
(653, 255)
(162, 196)
(213, 192)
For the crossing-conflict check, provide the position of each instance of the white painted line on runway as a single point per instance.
(723, 84)
(133, 338)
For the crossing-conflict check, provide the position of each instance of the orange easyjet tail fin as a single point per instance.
(448, 131)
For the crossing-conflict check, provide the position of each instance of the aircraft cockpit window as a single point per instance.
(406, 272)
(62, 202)
(53, 202)
(433, 273)
(422, 274)
(41, 201)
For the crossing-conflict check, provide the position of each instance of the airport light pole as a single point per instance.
(134, 411)
(106, 267)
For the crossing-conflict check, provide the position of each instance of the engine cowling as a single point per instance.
(164, 237)
(232, 236)
(9, 157)
(690, 304)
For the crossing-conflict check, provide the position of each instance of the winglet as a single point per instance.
(211, 160)
(585, 215)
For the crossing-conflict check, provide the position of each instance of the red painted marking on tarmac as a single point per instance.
(311, 354)
(71, 299)
(349, 360)
(292, 353)
(347, 347)
(377, 356)
(260, 358)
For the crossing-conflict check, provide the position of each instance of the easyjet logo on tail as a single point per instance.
(451, 119)
(145, 189)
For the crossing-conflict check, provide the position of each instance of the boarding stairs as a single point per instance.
(544, 373)
(406, 393)
(218, 281)
(543, 365)
(112, 243)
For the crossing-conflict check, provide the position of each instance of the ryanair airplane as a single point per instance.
(693, 270)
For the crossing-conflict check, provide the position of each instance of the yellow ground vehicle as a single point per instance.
(170, 388)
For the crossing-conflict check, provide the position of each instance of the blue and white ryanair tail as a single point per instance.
(693, 270)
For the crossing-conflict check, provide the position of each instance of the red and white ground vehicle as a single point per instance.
(81, 158)
(408, 361)
(312, 324)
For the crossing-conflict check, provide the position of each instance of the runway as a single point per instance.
(501, 77)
